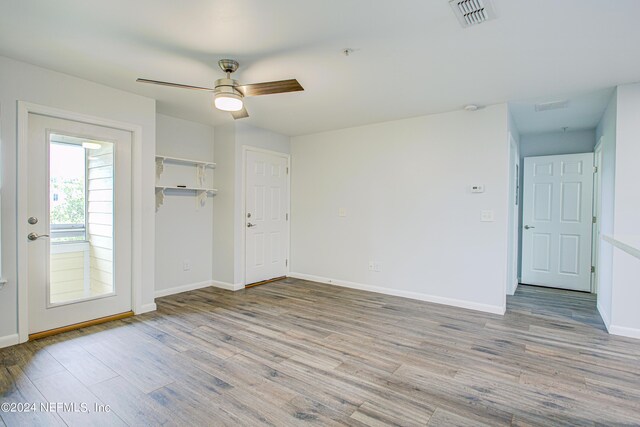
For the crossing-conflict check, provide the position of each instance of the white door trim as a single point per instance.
(513, 217)
(597, 213)
(243, 242)
(24, 109)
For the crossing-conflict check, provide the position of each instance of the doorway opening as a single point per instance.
(77, 223)
(557, 221)
(559, 212)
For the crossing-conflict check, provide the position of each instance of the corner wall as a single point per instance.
(625, 314)
(404, 187)
(606, 135)
(184, 230)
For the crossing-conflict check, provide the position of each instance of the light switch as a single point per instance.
(486, 216)
(342, 212)
(478, 188)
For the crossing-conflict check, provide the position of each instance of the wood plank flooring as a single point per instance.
(295, 352)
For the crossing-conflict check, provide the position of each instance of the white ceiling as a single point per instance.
(583, 111)
(413, 58)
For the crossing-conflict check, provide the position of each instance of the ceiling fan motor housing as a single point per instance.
(227, 86)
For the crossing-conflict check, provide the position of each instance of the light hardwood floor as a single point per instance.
(296, 352)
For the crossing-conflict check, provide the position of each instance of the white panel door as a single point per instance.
(557, 221)
(266, 207)
(79, 222)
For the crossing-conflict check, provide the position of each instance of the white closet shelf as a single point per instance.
(167, 187)
(201, 194)
(185, 161)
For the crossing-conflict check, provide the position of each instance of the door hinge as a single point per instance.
(286, 263)
(287, 217)
(595, 220)
(593, 269)
(595, 169)
(287, 170)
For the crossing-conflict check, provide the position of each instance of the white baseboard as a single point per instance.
(182, 288)
(228, 286)
(146, 308)
(605, 317)
(199, 285)
(624, 331)
(405, 294)
(9, 340)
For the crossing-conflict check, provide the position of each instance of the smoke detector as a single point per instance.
(554, 105)
(471, 107)
(472, 12)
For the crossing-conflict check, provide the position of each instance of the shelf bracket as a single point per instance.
(201, 197)
(159, 166)
(159, 198)
(201, 174)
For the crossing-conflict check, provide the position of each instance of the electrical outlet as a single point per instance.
(486, 216)
(374, 266)
(342, 212)
(186, 265)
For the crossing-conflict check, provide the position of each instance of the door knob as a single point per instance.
(251, 225)
(32, 220)
(526, 227)
(36, 236)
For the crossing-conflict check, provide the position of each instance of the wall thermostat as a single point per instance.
(477, 188)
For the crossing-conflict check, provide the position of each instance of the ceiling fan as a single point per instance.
(228, 94)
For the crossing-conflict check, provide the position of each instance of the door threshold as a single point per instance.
(56, 331)
(264, 282)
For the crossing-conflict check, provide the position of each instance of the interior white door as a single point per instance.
(79, 222)
(266, 206)
(557, 221)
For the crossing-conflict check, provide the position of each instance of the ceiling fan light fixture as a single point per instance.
(228, 101)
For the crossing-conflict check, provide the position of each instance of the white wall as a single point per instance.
(184, 229)
(606, 134)
(224, 206)
(625, 315)
(550, 144)
(228, 245)
(554, 143)
(21, 81)
(405, 188)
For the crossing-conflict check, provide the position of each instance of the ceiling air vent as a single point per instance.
(555, 105)
(472, 12)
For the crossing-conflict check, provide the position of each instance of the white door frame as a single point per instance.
(597, 211)
(26, 108)
(243, 242)
(513, 217)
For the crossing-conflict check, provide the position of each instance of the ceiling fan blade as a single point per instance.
(156, 82)
(242, 114)
(268, 88)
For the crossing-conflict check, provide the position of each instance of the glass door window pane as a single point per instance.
(81, 219)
